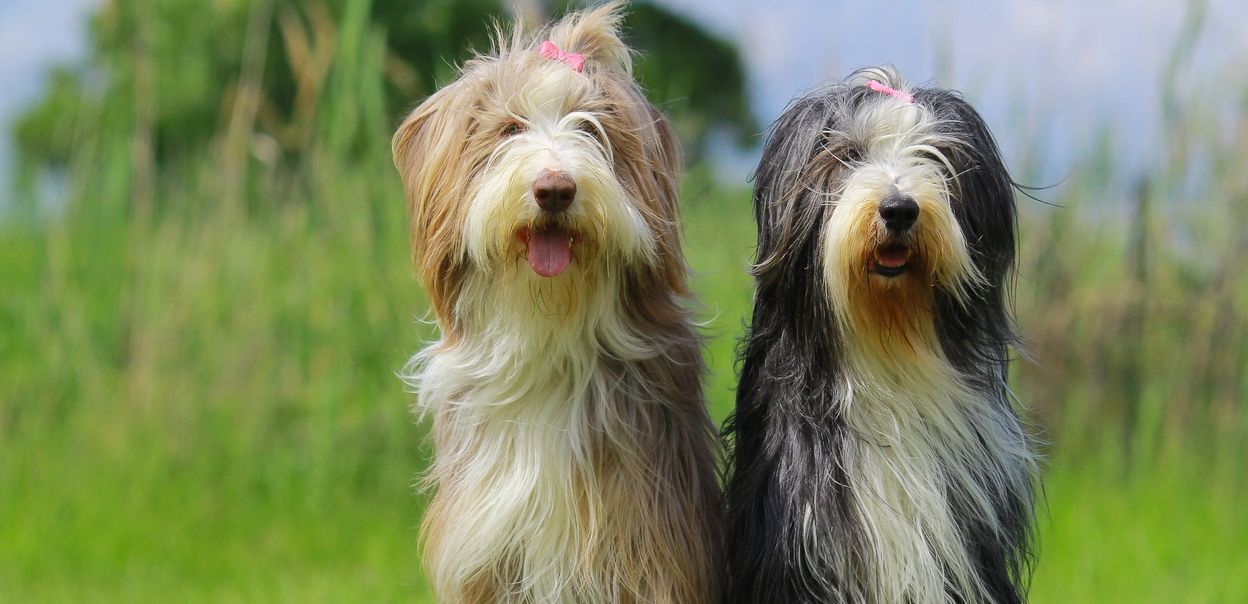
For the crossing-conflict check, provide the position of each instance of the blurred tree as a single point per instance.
(196, 48)
(695, 77)
(170, 74)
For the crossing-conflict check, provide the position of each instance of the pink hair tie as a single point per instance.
(571, 59)
(893, 92)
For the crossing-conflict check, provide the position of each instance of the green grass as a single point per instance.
(206, 411)
(1172, 533)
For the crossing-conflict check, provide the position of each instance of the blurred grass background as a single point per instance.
(205, 294)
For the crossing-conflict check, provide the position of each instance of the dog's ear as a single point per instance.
(984, 195)
(428, 151)
(664, 150)
(595, 33)
(801, 161)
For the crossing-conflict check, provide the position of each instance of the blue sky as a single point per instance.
(1045, 73)
(33, 35)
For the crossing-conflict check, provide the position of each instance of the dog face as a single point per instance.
(542, 166)
(905, 198)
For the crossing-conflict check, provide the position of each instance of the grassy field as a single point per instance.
(205, 409)
(198, 399)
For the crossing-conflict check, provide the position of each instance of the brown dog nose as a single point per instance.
(554, 191)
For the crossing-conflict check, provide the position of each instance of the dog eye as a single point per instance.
(589, 128)
(512, 129)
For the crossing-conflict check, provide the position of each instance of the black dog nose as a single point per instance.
(899, 211)
(554, 191)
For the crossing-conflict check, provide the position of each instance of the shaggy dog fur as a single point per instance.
(877, 456)
(575, 459)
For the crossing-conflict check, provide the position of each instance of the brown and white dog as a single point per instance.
(575, 459)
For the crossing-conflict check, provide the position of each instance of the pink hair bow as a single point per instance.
(890, 91)
(554, 53)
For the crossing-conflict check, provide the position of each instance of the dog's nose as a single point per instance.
(899, 211)
(554, 191)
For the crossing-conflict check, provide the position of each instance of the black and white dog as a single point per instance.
(877, 457)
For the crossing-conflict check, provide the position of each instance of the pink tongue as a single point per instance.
(550, 252)
(893, 257)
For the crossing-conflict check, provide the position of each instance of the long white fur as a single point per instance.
(518, 392)
(915, 419)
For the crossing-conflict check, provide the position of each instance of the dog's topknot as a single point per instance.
(595, 33)
(884, 74)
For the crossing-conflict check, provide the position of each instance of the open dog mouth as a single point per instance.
(548, 249)
(891, 259)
